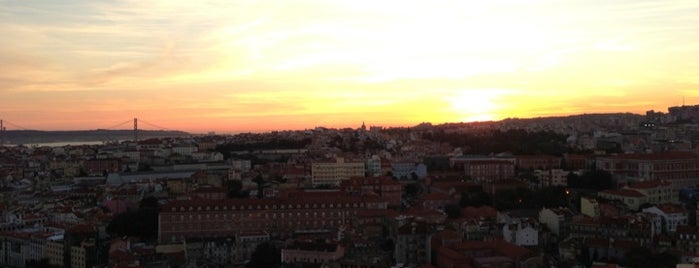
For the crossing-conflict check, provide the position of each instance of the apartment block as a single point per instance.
(335, 171)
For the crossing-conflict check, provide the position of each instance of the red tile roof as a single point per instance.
(623, 192)
(670, 208)
(485, 212)
(657, 156)
(649, 184)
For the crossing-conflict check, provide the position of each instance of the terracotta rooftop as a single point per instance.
(623, 192)
(649, 184)
(485, 212)
(657, 156)
(670, 208)
(313, 246)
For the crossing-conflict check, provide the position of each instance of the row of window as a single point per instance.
(215, 227)
(273, 215)
(251, 207)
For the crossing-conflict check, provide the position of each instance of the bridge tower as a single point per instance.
(135, 129)
(2, 132)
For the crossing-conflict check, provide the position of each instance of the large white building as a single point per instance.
(670, 217)
(21, 246)
(334, 171)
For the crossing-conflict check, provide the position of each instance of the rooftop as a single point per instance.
(623, 192)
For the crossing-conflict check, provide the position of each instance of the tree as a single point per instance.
(235, 189)
(412, 190)
(260, 185)
(475, 199)
(638, 257)
(265, 255)
(593, 179)
(149, 202)
(142, 222)
(453, 211)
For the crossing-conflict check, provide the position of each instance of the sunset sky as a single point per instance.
(231, 66)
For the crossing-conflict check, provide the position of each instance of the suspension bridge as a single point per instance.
(116, 127)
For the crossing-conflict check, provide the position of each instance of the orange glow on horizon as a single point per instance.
(241, 66)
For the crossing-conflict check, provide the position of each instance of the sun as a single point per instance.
(475, 105)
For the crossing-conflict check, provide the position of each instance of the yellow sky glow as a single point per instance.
(233, 66)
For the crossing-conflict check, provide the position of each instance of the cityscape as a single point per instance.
(596, 190)
(349, 134)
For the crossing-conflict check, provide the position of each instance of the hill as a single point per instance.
(38, 136)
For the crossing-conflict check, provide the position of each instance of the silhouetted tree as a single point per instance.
(475, 199)
(412, 190)
(235, 189)
(453, 211)
(149, 202)
(265, 255)
(593, 179)
(638, 257)
(142, 222)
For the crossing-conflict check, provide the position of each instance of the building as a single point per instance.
(522, 232)
(489, 170)
(247, 243)
(589, 207)
(408, 170)
(83, 255)
(280, 216)
(436, 200)
(656, 191)
(373, 166)
(27, 245)
(241, 165)
(312, 253)
(631, 198)
(413, 244)
(98, 167)
(485, 168)
(551, 177)
(679, 168)
(688, 238)
(492, 253)
(579, 161)
(634, 228)
(534, 162)
(333, 172)
(671, 216)
(386, 187)
(54, 253)
(557, 220)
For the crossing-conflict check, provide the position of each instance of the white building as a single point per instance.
(552, 177)
(670, 216)
(522, 232)
(22, 246)
(241, 165)
(557, 220)
(184, 149)
(373, 166)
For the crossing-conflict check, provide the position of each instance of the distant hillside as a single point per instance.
(37, 136)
